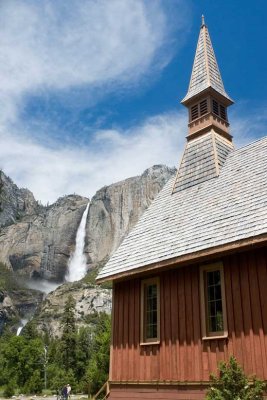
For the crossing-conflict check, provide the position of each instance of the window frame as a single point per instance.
(144, 340)
(206, 334)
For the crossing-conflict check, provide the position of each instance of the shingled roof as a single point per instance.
(202, 160)
(225, 209)
(205, 73)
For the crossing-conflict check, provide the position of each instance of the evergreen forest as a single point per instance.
(32, 362)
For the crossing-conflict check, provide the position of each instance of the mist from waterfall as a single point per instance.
(42, 285)
(77, 263)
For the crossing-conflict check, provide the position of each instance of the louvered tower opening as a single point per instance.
(219, 110)
(203, 106)
(199, 109)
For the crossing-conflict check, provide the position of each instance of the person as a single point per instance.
(64, 392)
(68, 390)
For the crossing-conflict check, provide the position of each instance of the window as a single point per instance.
(150, 311)
(214, 321)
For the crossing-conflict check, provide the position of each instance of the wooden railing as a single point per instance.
(104, 388)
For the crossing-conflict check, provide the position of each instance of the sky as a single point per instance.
(90, 90)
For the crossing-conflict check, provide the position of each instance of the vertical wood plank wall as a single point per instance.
(181, 354)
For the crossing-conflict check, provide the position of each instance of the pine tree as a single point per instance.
(97, 373)
(68, 340)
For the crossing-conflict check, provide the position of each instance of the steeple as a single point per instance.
(208, 141)
(205, 73)
(206, 93)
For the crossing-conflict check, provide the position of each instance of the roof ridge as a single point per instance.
(250, 144)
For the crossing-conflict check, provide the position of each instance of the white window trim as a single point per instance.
(206, 335)
(156, 340)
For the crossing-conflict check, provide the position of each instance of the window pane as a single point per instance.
(211, 294)
(150, 312)
(210, 278)
(214, 307)
(217, 277)
(219, 321)
(218, 293)
(212, 324)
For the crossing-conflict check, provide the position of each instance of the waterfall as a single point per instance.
(77, 263)
(23, 323)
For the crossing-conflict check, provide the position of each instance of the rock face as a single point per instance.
(39, 245)
(89, 300)
(115, 209)
(15, 203)
(7, 310)
(16, 305)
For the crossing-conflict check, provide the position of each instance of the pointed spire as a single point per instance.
(205, 73)
(209, 140)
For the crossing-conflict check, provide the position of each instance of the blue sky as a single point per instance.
(90, 89)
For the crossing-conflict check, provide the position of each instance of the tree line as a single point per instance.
(32, 361)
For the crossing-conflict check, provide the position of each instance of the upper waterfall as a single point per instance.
(77, 263)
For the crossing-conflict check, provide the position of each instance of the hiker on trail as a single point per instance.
(68, 390)
(65, 392)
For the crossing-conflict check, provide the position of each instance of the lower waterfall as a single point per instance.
(77, 263)
(23, 323)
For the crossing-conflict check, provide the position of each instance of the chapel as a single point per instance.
(190, 279)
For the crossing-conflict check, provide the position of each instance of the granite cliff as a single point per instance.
(115, 209)
(36, 241)
(18, 305)
(15, 203)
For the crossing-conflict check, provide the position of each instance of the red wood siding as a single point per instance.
(162, 392)
(182, 355)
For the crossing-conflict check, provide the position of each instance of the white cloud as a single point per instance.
(112, 156)
(58, 44)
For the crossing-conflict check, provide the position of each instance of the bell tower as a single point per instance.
(206, 99)
(208, 140)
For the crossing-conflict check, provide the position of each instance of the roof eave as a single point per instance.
(194, 97)
(190, 258)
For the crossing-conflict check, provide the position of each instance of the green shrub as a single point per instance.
(34, 384)
(9, 389)
(233, 384)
